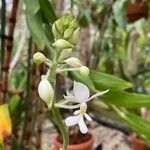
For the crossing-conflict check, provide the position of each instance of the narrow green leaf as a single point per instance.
(35, 26)
(105, 81)
(32, 6)
(13, 104)
(48, 10)
(48, 31)
(127, 100)
(119, 13)
(137, 124)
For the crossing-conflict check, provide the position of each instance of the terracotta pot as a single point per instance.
(138, 144)
(136, 11)
(83, 146)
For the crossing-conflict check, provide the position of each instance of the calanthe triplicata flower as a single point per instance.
(78, 118)
(80, 96)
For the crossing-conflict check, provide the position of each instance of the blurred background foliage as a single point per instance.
(113, 44)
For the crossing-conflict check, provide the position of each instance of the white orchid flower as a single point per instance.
(81, 94)
(78, 118)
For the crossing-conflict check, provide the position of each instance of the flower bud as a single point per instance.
(46, 91)
(84, 70)
(68, 32)
(68, 20)
(65, 54)
(75, 36)
(73, 62)
(62, 44)
(38, 58)
(55, 31)
(59, 25)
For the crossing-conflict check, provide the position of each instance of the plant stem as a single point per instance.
(55, 110)
(3, 24)
(8, 51)
(28, 95)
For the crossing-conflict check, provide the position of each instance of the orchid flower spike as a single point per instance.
(78, 118)
(81, 94)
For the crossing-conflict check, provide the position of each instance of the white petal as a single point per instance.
(97, 94)
(71, 121)
(83, 106)
(87, 117)
(81, 91)
(67, 106)
(71, 98)
(76, 112)
(82, 126)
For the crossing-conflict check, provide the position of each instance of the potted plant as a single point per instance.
(137, 10)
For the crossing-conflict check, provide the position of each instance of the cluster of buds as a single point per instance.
(66, 33)
(66, 28)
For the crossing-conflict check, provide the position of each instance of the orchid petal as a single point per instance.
(59, 105)
(71, 121)
(82, 126)
(87, 117)
(71, 98)
(81, 91)
(83, 106)
(76, 112)
(97, 94)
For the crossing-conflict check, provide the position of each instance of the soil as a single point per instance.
(76, 138)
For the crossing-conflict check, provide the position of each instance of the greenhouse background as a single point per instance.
(75, 75)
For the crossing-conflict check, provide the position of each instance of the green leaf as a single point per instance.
(119, 13)
(84, 17)
(86, 80)
(127, 100)
(35, 26)
(32, 6)
(48, 10)
(13, 104)
(105, 81)
(48, 31)
(138, 124)
(15, 144)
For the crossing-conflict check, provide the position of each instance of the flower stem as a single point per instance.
(55, 110)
